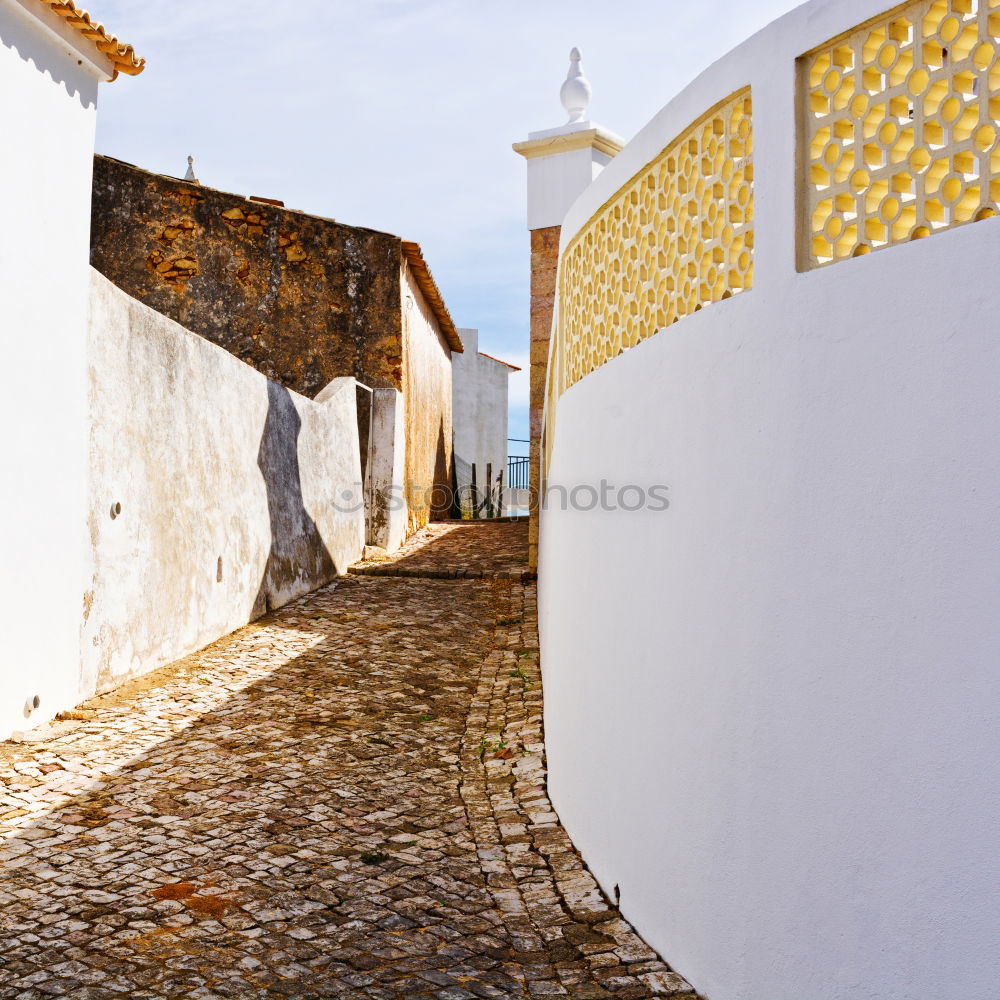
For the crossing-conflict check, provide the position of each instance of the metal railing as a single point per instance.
(518, 468)
(518, 472)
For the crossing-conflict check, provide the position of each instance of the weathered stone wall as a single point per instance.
(215, 494)
(427, 405)
(301, 299)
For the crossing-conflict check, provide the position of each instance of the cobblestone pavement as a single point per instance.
(459, 549)
(344, 799)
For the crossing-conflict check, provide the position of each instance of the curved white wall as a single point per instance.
(771, 710)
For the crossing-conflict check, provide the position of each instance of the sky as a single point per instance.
(399, 114)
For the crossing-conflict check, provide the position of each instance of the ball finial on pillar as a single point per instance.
(575, 93)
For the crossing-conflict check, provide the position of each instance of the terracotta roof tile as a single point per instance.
(122, 56)
(500, 361)
(425, 280)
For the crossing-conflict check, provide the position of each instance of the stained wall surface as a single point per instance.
(770, 707)
(214, 493)
(47, 119)
(427, 406)
(385, 486)
(300, 298)
(544, 267)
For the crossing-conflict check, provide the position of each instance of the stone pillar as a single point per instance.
(562, 163)
(544, 266)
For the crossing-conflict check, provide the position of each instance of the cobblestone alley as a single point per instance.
(344, 799)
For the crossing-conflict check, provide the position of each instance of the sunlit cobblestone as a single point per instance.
(459, 550)
(345, 799)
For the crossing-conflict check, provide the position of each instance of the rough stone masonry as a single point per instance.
(300, 298)
(345, 799)
(544, 268)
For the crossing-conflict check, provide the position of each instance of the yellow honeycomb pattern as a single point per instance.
(901, 119)
(678, 236)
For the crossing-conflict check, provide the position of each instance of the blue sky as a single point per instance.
(399, 114)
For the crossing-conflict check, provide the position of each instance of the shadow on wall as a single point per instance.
(32, 46)
(441, 503)
(299, 559)
(432, 501)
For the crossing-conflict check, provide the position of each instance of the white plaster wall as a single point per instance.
(387, 513)
(771, 710)
(554, 181)
(47, 120)
(427, 404)
(479, 414)
(236, 494)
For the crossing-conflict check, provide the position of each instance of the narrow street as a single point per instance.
(344, 799)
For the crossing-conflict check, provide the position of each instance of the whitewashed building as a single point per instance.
(479, 416)
(52, 60)
(160, 492)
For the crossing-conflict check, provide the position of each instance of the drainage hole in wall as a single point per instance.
(116, 509)
(32, 705)
(218, 571)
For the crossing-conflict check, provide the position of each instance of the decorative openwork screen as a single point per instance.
(900, 128)
(678, 236)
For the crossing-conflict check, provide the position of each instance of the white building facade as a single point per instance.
(479, 415)
(49, 76)
(121, 550)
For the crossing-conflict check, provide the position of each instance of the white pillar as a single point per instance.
(563, 161)
(562, 164)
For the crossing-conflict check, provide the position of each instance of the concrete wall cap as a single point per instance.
(335, 388)
(565, 140)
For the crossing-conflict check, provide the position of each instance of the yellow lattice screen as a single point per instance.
(901, 128)
(678, 236)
